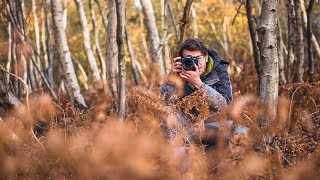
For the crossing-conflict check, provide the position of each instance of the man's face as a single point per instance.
(202, 59)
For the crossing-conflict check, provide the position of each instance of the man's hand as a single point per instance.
(176, 65)
(193, 77)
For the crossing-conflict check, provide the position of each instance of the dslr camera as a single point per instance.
(188, 63)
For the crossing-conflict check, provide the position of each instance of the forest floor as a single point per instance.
(57, 140)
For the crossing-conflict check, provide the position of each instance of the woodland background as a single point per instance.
(79, 84)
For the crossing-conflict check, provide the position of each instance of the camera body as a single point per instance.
(188, 63)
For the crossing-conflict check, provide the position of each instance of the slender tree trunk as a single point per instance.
(8, 65)
(267, 33)
(143, 37)
(65, 56)
(22, 53)
(166, 50)
(309, 36)
(104, 20)
(65, 13)
(174, 22)
(253, 35)
(195, 23)
(84, 77)
(282, 77)
(87, 41)
(43, 44)
(185, 20)
(31, 76)
(305, 22)
(153, 35)
(96, 40)
(224, 35)
(291, 16)
(120, 7)
(112, 48)
(298, 45)
(49, 52)
(318, 26)
(37, 35)
(135, 69)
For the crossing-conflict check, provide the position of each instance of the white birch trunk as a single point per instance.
(96, 40)
(111, 47)
(314, 41)
(8, 64)
(64, 55)
(135, 69)
(267, 33)
(280, 44)
(87, 41)
(153, 34)
(37, 35)
(143, 37)
(120, 7)
(47, 41)
(65, 14)
(43, 41)
(166, 50)
(194, 23)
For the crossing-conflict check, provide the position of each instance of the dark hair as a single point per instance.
(192, 44)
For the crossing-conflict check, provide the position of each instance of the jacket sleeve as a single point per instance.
(217, 100)
(221, 91)
(223, 86)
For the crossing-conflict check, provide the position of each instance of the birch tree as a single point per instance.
(291, 15)
(309, 39)
(133, 57)
(153, 35)
(96, 40)
(267, 33)
(111, 47)
(185, 20)
(298, 47)
(37, 36)
(253, 35)
(174, 22)
(120, 7)
(62, 49)
(164, 25)
(304, 17)
(282, 77)
(87, 42)
(46, 47)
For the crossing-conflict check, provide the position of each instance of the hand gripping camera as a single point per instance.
(188, 63)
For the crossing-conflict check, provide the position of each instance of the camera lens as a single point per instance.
(188, 63)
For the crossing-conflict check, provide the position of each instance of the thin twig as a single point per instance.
(281, 153)
(291, 105)
(38, 140)
(211, 170)
(238, 11)
(309, 115)
(252, 122)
